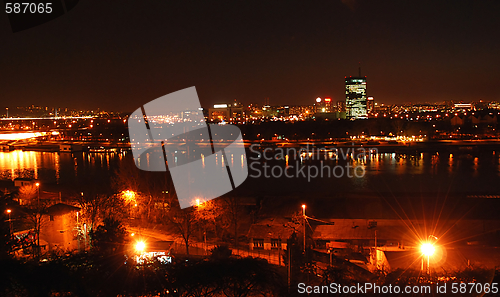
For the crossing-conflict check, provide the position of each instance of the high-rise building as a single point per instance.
(355, 101)
(226, 112)
(341, 106)
(370, 105)
(328, 104)
(320, 105)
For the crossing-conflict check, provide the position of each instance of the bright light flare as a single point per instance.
(427, 249)
(21, 136)
(129, 196)
(198, 202)
(140, 246)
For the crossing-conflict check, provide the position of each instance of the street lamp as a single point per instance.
(38, 191)
(304, 216)
(198, 206)
(140, 246)
(428, 249)
(10, 221)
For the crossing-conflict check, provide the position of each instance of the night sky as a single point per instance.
(119, 55)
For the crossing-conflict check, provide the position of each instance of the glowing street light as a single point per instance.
(304, 216)
(38, 192)
(428, 249)
(10, 221)
(140, 246)
(129, 196)
(198, 203)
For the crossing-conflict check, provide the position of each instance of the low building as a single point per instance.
(270, 235)
(444, 259)
(68, 148)
(361, 233)
(59, 229)
(21, 182)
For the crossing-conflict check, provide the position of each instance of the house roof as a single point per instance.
(351, 229)
(270, 230)
(404, 231)
(60, 209)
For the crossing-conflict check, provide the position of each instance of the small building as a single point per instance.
(58, 230)
(272, 235)
(337, 248)
(21, 182)
(361, 233)
(444, 259)
(68, 148)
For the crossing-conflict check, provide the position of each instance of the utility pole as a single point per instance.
(38, 193)
(289, 265)
(376, 257)
(304, 217)
(279, 251)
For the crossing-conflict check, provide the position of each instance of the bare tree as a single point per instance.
(231, 211)
(27, 194)
(96, 207)
(185, 222)
(221, 215)
(36, 218)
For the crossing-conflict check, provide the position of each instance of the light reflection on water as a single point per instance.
(53, 166)
(472, 170)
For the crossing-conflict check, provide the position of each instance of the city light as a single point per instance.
(140, 246)
(129, 196)
(427, 249)
(20, 136)
(9, 211)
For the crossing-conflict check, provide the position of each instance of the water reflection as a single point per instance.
(396, 169)
(54, 166)
(19, 163)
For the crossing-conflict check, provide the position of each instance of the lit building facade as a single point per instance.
(370, 105)
(355, 92)
(226, 113)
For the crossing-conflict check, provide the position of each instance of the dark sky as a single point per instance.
(119, 55)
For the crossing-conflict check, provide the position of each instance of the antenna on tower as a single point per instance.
(359, 65)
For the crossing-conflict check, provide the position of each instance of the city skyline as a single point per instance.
(249, 148)
(286, 51)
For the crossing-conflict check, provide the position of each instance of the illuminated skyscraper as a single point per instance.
(328, 104)
(370, 105)
(355, 101)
